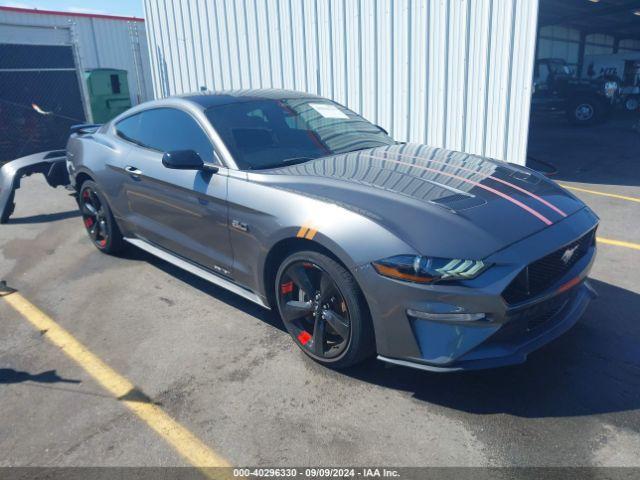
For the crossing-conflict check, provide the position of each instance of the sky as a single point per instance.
(128, 8)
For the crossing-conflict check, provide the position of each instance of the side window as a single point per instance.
(168, 129)
(129, 128)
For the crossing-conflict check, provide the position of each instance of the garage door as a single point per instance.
(40, 98)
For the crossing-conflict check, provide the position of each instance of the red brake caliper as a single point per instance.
(286, 288)
(304, 337)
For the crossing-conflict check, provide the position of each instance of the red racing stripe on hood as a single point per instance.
(509, 184)
(500, 194)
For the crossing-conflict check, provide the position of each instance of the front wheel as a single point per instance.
(324, 310)
(98, 219)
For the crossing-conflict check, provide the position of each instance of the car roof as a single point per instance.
(208, 98)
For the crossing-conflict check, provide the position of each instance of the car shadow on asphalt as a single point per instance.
(45, 218)
(206, 287)
(593, 369)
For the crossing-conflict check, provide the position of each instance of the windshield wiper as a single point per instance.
(287, 162)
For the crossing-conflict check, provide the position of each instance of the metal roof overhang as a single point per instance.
(610, 17)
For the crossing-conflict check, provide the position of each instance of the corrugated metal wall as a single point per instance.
(101, 42)
(452, 73)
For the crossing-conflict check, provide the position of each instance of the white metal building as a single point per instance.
(452, 73)
(101, 41)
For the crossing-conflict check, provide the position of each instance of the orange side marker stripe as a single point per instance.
(570, 284)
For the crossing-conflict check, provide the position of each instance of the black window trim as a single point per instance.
(127, 139)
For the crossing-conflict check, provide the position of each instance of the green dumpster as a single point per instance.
(108, 93)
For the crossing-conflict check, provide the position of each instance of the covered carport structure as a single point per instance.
(605, 152)
(571, 29)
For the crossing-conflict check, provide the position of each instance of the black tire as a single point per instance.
(347, 298)
(631, 103)
(586, 110)
(100, 224)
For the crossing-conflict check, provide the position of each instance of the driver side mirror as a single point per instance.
(183, 160)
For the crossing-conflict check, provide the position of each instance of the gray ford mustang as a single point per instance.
(430, 258)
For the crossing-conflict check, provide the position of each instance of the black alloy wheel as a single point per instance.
(93, 216)
(98, 220)
(323, 310)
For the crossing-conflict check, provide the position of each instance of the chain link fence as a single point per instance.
(40, 98)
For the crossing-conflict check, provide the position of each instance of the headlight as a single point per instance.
(418, 269)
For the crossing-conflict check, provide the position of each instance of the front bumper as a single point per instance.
(509, 332)
(500, 351)
(50, 164)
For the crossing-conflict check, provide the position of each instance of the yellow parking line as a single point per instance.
(618, 243)
(176, 435)
(604, 194)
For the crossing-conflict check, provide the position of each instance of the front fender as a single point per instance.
(51, 164)
(354, 238)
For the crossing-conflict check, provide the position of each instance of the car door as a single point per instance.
(182, 211)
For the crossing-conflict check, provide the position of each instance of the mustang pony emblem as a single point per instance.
(568, 254)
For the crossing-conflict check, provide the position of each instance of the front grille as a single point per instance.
(539, 275)
(531, 319)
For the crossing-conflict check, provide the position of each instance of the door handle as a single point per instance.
(133, 171)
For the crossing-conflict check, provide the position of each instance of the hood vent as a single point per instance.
(458, 202)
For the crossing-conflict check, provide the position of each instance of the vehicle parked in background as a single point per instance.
(556, 88)
(430, 258)
(623, 68)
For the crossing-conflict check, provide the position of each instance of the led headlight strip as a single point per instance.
(418, 269)
(462, 268)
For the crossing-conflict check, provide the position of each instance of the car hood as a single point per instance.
(443, 203)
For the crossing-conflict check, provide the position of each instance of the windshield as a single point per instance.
(267, 133)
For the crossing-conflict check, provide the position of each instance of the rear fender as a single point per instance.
(51, 164)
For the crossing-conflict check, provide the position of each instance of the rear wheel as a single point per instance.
(324, 310)
(631, 104)
(586, 110)
(98, 219)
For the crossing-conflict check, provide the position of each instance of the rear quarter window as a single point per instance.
(129, 128)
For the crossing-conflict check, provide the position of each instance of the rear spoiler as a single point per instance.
(85, 128)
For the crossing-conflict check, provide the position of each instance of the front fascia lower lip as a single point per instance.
(447, 317)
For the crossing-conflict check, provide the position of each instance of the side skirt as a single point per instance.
(198, 271)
